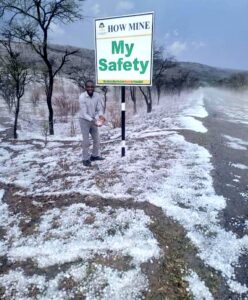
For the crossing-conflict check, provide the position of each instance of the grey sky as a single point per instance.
(213, 32)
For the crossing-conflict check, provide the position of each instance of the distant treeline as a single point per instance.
(236, 81)
(174, 77)
(20, 65)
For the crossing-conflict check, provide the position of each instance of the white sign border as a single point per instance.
(151, 67)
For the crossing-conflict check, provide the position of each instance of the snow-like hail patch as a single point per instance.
(2, 128)
(8, 225)
(246, 224)
(198, 110)
(244, 195)
(198, 287)
(236, 143)
(1, 194)
(87, 282)
(187, 120)
(240, 166)
(4, 155)
(191, 123)
(59, 170)
(189, 197)
(4, 213)
(71, 238)
(75, 235)
(160, 166)
(4, 220)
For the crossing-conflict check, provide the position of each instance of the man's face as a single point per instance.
(90, 88)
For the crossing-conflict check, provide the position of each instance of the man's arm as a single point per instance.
(99, 108)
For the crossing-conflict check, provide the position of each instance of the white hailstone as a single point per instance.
(81, 289)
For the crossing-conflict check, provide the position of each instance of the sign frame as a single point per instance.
(151, 58)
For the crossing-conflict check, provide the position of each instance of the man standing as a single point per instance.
(90, 118)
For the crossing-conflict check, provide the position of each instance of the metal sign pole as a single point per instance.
(123, 111)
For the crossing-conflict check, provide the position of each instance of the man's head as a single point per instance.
(89, 87)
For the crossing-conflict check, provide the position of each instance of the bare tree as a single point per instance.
(238, 80)
(80, 73)
(104, 90)
(160, 66)
(147, 94)
(15, 75)
(30, 21)
(179, 80)
(182, 80)
(7, 89)
(134, 98)
(192, 81)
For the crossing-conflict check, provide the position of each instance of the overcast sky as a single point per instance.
(213, 32)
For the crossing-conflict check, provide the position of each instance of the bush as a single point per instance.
(65, 107)
(114, 117)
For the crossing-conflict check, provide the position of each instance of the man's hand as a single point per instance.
(100, 121)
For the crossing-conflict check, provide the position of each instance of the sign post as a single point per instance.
(123, 54)
(123, 117)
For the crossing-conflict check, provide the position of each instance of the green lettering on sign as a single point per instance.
(121, 48)
(137, 65)
(103, 65)
(117, 48)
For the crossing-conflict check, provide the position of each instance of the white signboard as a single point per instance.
(123, 47)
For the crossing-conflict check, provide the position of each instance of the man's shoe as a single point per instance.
(94, 158)
(87, 163)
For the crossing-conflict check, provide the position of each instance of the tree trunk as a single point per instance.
(149, 107)
(148, 98)
(49, 104)
(50, 118)
(149, 103)
(133, 97)
(105, 102)
(134, 107)
(158, 92)
(16, 118)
